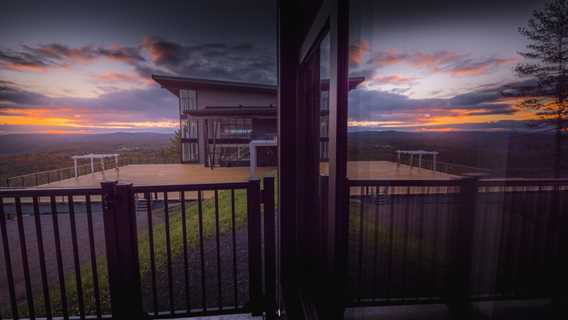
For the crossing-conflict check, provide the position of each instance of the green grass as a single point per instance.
(176, 237)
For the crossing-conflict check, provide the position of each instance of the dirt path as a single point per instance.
(213, 297)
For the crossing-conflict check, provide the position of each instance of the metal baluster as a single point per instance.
(76, 261)
(60, 273)
(361, 245)
(24, 253)
(201, 250)
(8, 261)
(185, 249)
(41, 253)
(93, 257)
(169, 254)
(148, 196)
(233, 227)
(217, 240)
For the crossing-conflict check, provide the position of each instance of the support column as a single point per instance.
(252, 151)
(92, 166)
(75, 166)
(103, 166)
(434, 165)
(459, 275)
(119, 216)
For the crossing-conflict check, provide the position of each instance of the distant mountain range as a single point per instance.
(13, 144)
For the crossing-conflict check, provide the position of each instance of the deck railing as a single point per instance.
(413, 242)
(133, 252)
(48, 176)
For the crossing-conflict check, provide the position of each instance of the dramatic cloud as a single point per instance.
(471, 67)
(40, 58)
(394, 80)
(357, 51)
(387, 109)
(241, 62)
(22, 61)
(125, 110)
(453, 63)
(11, 95)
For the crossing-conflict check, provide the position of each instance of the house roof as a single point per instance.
(211, 112)
(234, 111)
(173, 84)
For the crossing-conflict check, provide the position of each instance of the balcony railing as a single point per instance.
(414, 242)
(185, 250)
(48, 176)
(133, 252)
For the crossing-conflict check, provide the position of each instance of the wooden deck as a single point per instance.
(172, 174)
(162, 174)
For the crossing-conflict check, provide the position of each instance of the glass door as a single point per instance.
(322, 124)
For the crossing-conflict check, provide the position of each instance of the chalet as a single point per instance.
(219, 119)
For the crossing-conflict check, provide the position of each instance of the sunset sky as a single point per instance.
(84, 67)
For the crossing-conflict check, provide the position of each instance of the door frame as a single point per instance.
(296, 41)
(333, 17)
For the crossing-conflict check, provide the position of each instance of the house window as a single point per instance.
(231, 128)
(187, 100)
(190, 152)
(190, 129)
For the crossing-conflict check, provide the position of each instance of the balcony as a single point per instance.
(187, 243)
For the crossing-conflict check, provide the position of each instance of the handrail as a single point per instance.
(404, 183)
(456, 181)
(190, 187)
(46, 192)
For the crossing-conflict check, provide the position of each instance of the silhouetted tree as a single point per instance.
(173, 151)
(547, 53)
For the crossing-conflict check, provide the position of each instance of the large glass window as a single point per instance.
(457, 107)
(230, 128)
(190, 129)
(187, 100)
(190, 151)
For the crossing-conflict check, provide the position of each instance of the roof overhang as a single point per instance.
(174, 84)
(233, 112)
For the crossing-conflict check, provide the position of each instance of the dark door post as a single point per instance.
(461, 259)
(119, 214)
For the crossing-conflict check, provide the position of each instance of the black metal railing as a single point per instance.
(41, 178)
(144, 251)
(454, 241)
(51, 254)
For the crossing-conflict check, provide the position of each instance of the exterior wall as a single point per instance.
(202, 144)
(263, 128)
(221, 98)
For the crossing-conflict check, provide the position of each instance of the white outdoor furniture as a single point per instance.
(252, 151)
(92, 157)
(418, 153)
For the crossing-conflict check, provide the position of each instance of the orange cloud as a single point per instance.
(357, 51)
(124, 78)
(24, 67)
(394, 79)
(456, 64)
(480, 68)
(62, 119)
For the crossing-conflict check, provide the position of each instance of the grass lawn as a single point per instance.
(176, 220)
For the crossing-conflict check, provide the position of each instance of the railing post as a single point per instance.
(269, 247)
(558, 259)
(254, 238)
(461, 258)
(119, 215)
